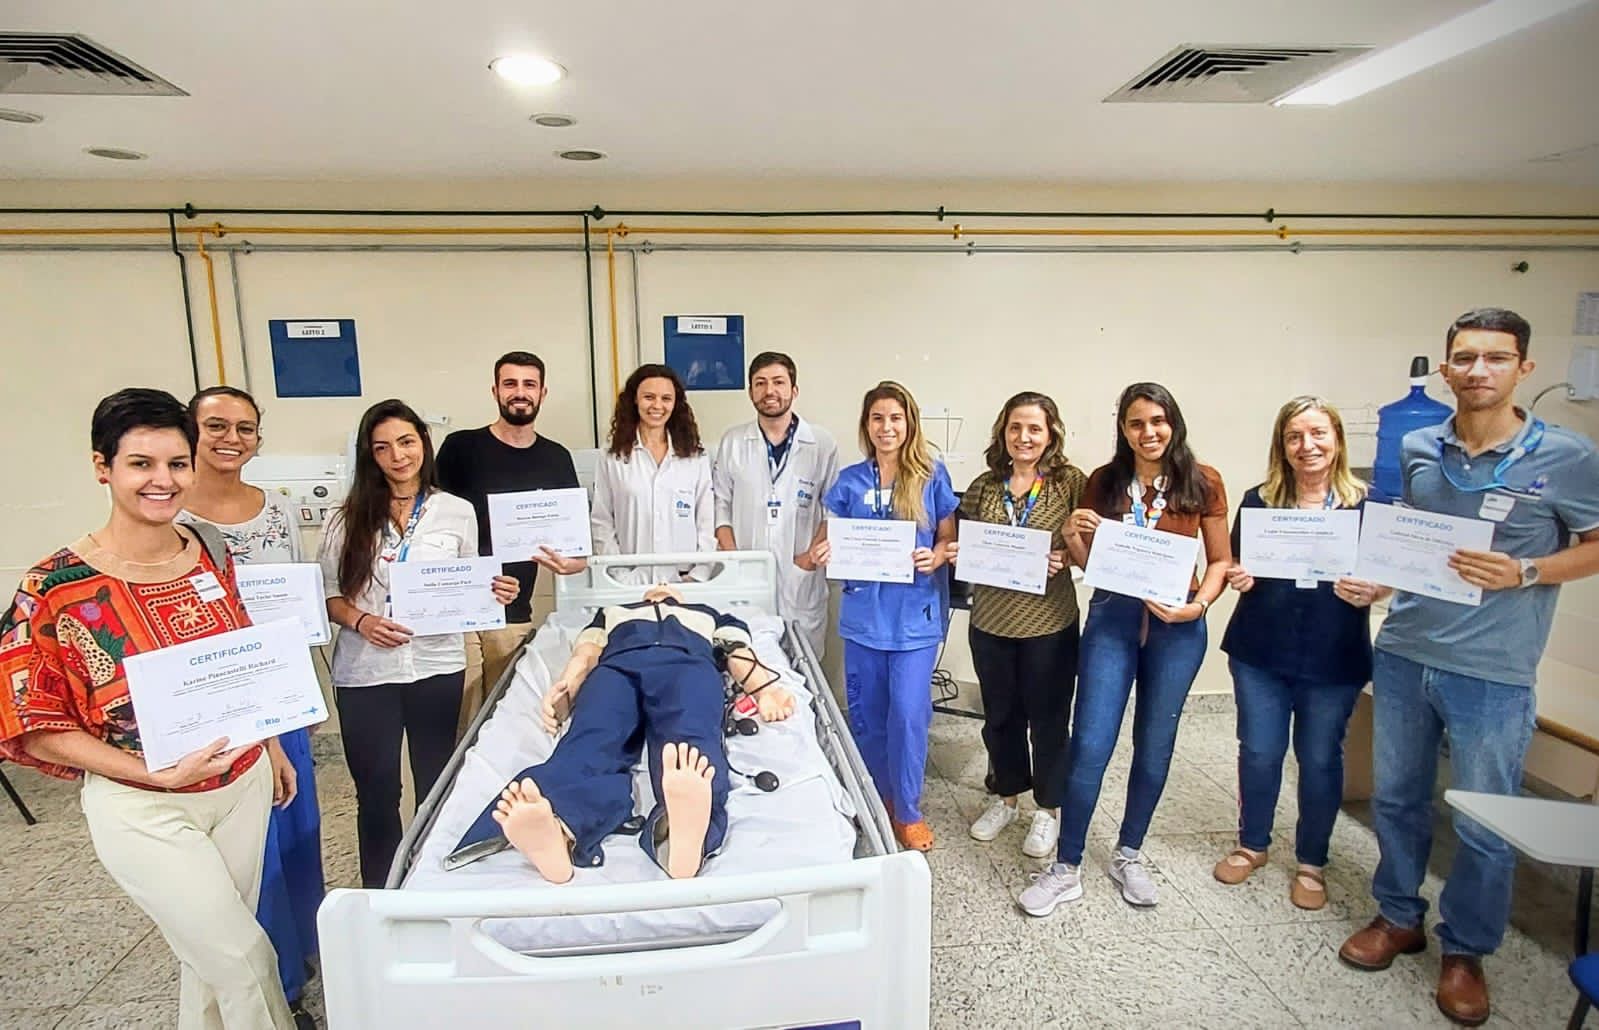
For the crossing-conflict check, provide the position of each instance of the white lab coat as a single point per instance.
(744, 487)
(644, 508)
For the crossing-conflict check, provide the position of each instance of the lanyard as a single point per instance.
(1528, 444)
(404, 548)
(1032, 499)
(775, 464)
(1147, 517)
(880, 510)
(410, 530)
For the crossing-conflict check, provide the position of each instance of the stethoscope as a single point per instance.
(1528, 444)
(734, 722)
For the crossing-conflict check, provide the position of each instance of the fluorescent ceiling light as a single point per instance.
(1438, 44)
(527, 70)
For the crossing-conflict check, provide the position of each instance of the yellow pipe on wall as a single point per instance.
(610, 269)
(216, 319)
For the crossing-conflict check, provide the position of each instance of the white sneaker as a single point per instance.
(1060, 882)
(1138, 887)
(995, 818)
(1043, 837)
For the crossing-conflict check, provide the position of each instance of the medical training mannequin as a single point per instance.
(641, 675)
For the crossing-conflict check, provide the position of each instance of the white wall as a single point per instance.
(1233, 335)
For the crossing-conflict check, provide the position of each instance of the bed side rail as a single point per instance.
(849, 942)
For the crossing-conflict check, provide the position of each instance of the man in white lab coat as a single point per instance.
(769, 478)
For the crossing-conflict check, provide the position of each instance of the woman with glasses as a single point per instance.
(259, 528)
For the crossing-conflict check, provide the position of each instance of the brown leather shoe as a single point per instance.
(1463, 990)
(1376, 946)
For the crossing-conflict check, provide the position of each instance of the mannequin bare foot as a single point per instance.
(686, 792)
(529, 824)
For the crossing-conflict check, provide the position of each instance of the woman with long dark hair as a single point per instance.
(186, 843)
(1024, 646)
(892, 631)
(652, 490)
(1153, 481)
(259, 528)
(388, 683)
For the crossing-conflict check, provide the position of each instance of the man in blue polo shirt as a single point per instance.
(1467, 672)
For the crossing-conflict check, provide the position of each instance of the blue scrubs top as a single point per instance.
(893, 616)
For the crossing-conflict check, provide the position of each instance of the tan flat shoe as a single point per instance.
(1233, 873)
(1305, 896)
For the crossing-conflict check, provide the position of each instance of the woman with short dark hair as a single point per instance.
(186, 843)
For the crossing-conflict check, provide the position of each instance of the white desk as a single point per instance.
(1558, 832)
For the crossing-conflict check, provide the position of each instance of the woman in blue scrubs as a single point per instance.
(892, 631)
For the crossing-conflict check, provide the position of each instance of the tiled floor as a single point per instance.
(76, 953)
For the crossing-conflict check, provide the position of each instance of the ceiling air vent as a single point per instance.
(49, 63)
(1200, 74)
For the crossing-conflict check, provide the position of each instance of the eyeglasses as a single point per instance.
(217, 427)
(1496, 361)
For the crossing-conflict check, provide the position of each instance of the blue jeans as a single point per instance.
(1110, 659)
(1319, 712)
(1489, 726)
(890, 695)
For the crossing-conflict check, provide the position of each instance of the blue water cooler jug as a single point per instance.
(1415, 410)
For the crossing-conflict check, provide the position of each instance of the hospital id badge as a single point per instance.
(1496, 507)
(205, 584)
(774, 513)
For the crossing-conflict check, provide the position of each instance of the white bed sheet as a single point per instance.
(806, 821)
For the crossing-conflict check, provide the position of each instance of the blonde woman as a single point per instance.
(1299, 652)
(892, 631)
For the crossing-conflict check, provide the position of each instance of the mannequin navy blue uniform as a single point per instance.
(656, 682)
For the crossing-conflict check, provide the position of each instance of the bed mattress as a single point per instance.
(808, 820)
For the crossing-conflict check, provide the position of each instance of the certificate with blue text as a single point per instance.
(872, 550)
(1142, 563)
(521, 523)
(1409, 549)
(246, 685)
(1003, 556)
(286, 590)
(1297, 544)
(445, 595)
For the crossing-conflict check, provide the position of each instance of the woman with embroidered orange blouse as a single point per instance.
(186, 843)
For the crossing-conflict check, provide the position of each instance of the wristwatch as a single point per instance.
(1529, 572)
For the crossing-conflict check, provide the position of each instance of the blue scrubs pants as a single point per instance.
(890, 699)
(646, 697)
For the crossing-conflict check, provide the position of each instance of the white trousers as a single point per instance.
(193, 863)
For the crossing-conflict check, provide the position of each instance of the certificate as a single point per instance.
(245, 685)
(1003, 556)
(1409, 549)
(1288, 543)
(521, 523)
(447, 595)
(286, 591)
(875, 550)
(1142, 563)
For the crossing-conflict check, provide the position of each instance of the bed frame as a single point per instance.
(848, 947)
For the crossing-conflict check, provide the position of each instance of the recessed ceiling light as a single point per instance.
(527, 70)
(8, 114)
(1459, 35)
(553, 121)
(115, 153)
(581, 155)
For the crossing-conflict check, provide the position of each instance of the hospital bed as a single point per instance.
(810, 916)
